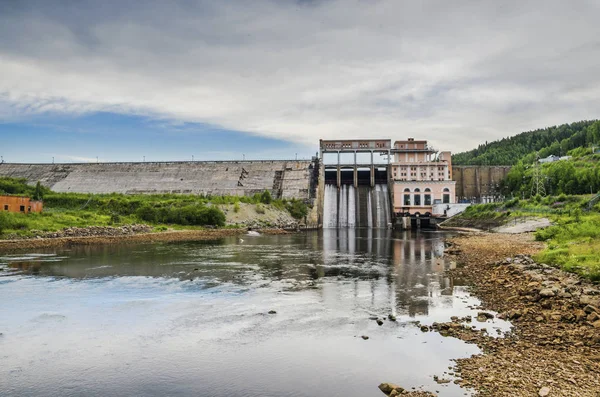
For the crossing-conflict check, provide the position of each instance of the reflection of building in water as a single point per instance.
(419, 267)
(405, 270)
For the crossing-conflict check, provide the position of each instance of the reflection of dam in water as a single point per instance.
(410, 266)
(361, 206)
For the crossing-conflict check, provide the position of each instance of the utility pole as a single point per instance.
(537, 182)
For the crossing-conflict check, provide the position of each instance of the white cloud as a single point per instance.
(67, 158)
(457, 73)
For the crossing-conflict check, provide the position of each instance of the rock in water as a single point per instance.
(365, 337)
(387, 388)
(379, 322)
(544, 391)
(272, 312)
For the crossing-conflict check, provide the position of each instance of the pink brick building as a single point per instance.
(421, 177)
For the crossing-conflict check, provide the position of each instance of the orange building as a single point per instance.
(20, 204)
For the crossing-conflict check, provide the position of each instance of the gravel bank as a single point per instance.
(111, 238)
(554, 349)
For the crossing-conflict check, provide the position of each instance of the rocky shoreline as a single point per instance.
(116, 235)
(553, 348)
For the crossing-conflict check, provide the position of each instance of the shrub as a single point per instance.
(260, 209)
(115, 218)
(511, 203)
(265, 197)
(236, 207)
(297, 208)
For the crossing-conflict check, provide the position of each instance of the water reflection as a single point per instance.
(405, 271)
(192, 318)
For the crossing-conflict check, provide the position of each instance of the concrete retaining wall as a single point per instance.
(478, 183)
(287, 179)
(448, 210)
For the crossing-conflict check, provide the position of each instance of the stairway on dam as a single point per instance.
(283, 178)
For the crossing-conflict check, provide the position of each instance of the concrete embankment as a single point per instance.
(283, 178)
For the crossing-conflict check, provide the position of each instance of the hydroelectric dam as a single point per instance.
(350, 183)
(355, 193)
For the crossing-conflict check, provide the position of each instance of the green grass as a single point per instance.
(573, 242)
(177, 211)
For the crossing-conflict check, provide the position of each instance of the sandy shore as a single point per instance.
(178, 235)
(554, 349)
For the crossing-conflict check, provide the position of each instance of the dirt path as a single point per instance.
(527, 226)
(554, 349)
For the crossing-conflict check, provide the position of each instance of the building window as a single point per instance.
(446, 196)
(28, 209)
(22, 208)
(5, 207)
(427, 199)
(407, 199)
(417, 199)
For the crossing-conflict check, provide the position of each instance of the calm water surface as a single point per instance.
(191, 319)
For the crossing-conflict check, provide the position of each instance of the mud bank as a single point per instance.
(554, 348)
(167, 236)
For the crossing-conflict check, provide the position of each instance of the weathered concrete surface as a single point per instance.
(283, 178)
(478, 182)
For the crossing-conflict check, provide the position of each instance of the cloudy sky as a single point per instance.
(120, 80)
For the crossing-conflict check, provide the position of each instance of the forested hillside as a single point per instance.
(558, 140)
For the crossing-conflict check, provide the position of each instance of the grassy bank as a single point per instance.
(62, 210)
(572, 243)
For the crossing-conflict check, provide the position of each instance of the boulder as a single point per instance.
(547, 293)
(590, 309)
(589, 300)
(593, 317)
(388, 388)
(544, 391)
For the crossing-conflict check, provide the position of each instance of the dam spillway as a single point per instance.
(361, 206)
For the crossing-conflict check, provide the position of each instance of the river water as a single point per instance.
(192, 319)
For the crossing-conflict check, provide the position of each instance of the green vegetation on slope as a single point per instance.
(77, 209)
(524, 147)
(573, 242)
(19, 187)
(579, 175)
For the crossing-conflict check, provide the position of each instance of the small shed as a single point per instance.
(20, 204)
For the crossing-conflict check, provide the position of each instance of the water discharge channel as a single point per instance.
(362, 206)
(192, 319)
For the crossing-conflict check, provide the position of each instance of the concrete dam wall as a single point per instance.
(478, 183)
(283, 178)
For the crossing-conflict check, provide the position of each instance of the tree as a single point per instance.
(38, 193)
